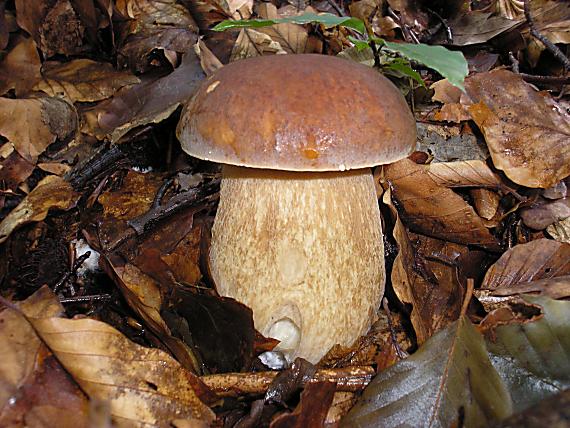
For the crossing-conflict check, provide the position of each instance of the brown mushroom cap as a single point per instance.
(298, 113)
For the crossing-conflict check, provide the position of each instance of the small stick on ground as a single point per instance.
(558, 54)
(401, 354)
(348, 379)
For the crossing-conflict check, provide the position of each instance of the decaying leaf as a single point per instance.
(532, 357)
(83, 80)
(434, 210)
(539, 259)
(51, 192)
(527, 132)
(449, 380)
(31, 125)
(143, 386)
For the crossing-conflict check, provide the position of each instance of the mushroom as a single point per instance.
(298, 236)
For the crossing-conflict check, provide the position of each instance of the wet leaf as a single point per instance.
(143, 386)
(532, 357)
(51, 192)
(83, 80)
(434, 210)
(39, 122)
(510, 113)
(449, 380)
(539, 259)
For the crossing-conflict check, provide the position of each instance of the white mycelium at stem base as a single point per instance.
(304, 251)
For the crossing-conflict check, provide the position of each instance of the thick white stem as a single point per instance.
(304, 251)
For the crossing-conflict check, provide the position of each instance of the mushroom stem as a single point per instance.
(304, 251)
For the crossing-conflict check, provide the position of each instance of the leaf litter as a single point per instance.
(91, 92)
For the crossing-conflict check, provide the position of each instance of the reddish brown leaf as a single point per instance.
(311, 412)
(14, 170)
(539, 259)
(434, 210)
(528, 132)
(20, 68)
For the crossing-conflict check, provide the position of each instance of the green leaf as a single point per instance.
(327, 19)
(449, 64)
(450, 378)
(402, 67)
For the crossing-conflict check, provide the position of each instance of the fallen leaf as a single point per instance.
(555, 288)
(293, 38)
(510, 113)
(32, 383)
(147, 102)
(39, 122)
(550, 412)
(430, 288)
(469, 173)
(83, 80)
(145, 297)
(486, 202)
(252, 43)
(560, 230)
(532, 357)
(14, 170)
(20, 68)
(543, 213)
(448, 381)
(479, 27)
(431, 209)
(312, 410)
(143, 385)
(51, 192)
(538, 259)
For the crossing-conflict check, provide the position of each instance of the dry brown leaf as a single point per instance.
(470, 173)
(20, 68)
(293, 38)
(51, 192)
(147, 102)
(14, 170)
(552, 19)
(486, 202)
(539, 259)
(154, 24)
(527, 132)
(556, 288)
(83, 80)
(143, 386)
(435, 210)
(31, 125)
(144, 296)
(34, 388)
(252, 43)
(454, 113)
(560, 230)
(55, 168)
(479, 27)
(430, 288)
(445, 92)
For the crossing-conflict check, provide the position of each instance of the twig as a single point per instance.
(448, 32)
(336, 7)
(554, 80)
(558, 54)
(468, 295)
(348, 379)
(409, 35)
(79, 299)
(401, 354)
(71, 272)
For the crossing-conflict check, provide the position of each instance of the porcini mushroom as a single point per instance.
(297, 236)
